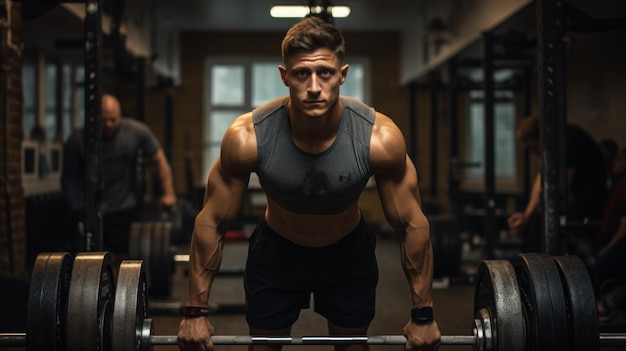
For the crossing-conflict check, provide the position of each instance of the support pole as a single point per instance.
(93, 125)
(491, 225)
(552, 120)
(434, 114)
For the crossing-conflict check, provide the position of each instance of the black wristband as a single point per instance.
(422, 314)
(195, 311)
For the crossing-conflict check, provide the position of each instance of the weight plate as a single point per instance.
(90, 304)
(163, 259)
(47, 302)
(446, 245)
(159, 278)
(134, 242)
(543, 301)
(582, 315)
(497, 293)
(145, 247)
(130, 307)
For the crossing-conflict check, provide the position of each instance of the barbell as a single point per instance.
(531, 302)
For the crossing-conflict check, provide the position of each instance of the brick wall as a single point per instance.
(12, 205)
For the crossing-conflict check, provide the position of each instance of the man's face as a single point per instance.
(314, 78)
(111, 117)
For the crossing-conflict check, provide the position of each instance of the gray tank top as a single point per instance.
(325, 183)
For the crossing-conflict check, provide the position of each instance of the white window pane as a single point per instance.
(50, 125)
(51, 102)
(67, 86)
(476, 140)
(29, 93)
(66, 101)
(266, 83)
(67, 124)
(51, 86)
(227, 85)
(219, 121)
(504, 138)
(354, 86)
(80, 96)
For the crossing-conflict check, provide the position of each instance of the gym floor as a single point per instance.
(453, 302)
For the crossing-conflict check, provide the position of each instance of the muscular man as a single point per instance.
(313, 151)
(125, 142)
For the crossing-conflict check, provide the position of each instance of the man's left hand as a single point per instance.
(167, 201)
(421, 336)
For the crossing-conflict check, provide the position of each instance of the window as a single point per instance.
(52, 93)
(504, 138)
(236, 86)
(50, 101)
(29, 104)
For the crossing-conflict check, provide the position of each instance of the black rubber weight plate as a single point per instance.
(90, 304)
(134, 242)
(131, 306)
(543, 302)
(582, 314)
(497, 296)
(47, 301)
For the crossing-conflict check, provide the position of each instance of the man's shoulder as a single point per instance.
(269, 108)
(133, 123)
(358, 107)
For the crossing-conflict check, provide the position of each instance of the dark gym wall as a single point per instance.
(12, 205)
(388, 96)
(596, 89)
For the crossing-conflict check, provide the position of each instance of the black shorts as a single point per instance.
(280, 277)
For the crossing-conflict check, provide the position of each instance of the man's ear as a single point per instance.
(283, 74)
(344, 73)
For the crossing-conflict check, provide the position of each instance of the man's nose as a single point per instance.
(314, 86)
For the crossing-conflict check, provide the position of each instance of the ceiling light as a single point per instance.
(303, 11)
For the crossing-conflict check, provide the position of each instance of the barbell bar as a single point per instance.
(19, 339)
(509, 298)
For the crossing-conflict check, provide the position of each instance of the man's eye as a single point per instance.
(326, 73)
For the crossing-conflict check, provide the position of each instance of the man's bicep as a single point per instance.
(399, 194)
(224, 193)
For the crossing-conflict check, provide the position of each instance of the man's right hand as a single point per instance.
(517, 220)
(195, 334)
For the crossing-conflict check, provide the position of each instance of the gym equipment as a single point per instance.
(150, 242)
(444, 236)
(513, 302)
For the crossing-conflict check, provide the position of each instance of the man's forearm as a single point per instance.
(205, 256)
(165, 175)
(417, 263)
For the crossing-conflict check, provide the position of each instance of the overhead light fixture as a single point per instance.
(303, 11)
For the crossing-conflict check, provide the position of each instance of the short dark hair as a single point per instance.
(312, 33)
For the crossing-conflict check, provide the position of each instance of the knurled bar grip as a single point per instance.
(313, 340)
